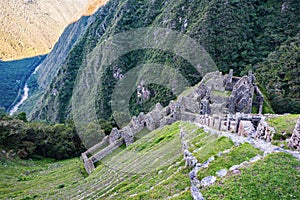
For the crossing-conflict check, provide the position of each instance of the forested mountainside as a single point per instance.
(238, 34)
(279, 73)
(31, 27)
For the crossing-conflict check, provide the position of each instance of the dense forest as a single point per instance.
(279, 73)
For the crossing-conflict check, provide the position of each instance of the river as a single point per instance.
(24, 98)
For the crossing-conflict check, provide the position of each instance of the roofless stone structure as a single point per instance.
(213, 102)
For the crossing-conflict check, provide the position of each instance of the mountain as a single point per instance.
(31, 27)
(237, 34)
(90, 8)
(17, 72)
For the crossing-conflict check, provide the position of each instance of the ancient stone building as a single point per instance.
(242, 93)
(213, 102)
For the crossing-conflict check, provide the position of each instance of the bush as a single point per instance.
(57, 141)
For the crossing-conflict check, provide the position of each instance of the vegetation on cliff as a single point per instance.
(256, 28)
(279, 73)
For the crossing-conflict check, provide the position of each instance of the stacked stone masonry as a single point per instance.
(295, 139)
(204, 106)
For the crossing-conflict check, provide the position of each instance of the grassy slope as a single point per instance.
(45, 177)
(275, 177)
(284, 126)
(134, 173)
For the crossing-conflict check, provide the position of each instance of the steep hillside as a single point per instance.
(31, 27)
(255, 27)
(153, 168)
(47, 70)
(280, 75)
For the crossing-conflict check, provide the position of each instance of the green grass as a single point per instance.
(131, 174)
(114, 174)
(178, 183)
(159, 137)
(210, 146)
(284, 125)
(238, 154)
(184, 196)
(220, 93)
(275, 177)
(142, 133)
(25, 179)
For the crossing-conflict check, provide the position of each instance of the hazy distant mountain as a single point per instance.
(31, 27)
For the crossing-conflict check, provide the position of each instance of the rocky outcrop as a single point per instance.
(246, 128)
(295, 139)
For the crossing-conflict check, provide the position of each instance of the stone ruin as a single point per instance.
(295, 139)
(215, 102)
(243, 90)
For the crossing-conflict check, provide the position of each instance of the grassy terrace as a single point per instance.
(236, 156)
(284, 125)
(28, 179)
(153, 168)
(275, 177)
(221, 93)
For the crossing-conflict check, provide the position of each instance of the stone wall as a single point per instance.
(88, 163)
(295, 139)
(264, 131)
(191, 162)
(106, 151)
(241, 96)
(196, 107)
(246, 128)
